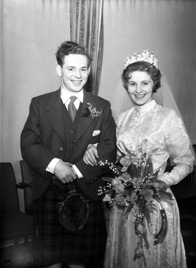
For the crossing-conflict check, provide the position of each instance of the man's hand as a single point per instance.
(64, 172)
(91, 155)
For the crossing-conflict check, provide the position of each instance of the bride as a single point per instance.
(159, 132)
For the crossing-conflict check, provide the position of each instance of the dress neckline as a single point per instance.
(146, 107)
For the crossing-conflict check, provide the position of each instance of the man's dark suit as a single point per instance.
(44, 138)
(49, 133)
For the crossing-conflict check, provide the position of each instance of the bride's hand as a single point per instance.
(91, 155)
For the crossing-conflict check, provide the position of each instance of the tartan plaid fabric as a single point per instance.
(54, 244)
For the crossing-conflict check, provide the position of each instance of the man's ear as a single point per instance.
(58, 69)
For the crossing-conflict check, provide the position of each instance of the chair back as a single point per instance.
(8, 189)
(27, 178)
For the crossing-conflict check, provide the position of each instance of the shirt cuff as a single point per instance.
(78, 173)
(95, 144)
(52, 164)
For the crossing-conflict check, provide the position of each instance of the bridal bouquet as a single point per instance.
(133, 186)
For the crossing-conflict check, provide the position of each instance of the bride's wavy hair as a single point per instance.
(143, 66)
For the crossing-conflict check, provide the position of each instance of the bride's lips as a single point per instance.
(140, 96)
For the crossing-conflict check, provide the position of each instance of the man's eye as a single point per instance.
(70, 69)
(84, 70)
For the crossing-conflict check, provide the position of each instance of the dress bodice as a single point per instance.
(164, 133)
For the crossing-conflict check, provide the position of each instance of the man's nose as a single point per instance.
(78, 73)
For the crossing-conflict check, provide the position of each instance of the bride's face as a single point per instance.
(140, 87)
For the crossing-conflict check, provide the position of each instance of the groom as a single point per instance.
(59, 128)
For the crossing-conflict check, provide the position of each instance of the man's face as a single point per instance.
(74, 72)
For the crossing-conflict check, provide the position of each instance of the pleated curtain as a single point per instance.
(86, 28)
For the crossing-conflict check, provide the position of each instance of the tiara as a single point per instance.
(145, 55)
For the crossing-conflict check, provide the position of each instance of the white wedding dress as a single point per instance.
(166, 136)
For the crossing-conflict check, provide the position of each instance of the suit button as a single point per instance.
(60, 149)
(72, 141)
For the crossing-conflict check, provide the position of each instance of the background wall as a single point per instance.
(32, 30)
(167, 28)
(31, 33)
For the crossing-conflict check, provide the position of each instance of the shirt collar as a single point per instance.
(66, 94)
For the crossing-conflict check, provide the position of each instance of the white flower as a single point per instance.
(107, 198)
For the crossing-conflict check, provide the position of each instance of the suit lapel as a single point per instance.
(84, 122)
(55, 116)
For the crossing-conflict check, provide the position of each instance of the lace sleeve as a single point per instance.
(180, 149)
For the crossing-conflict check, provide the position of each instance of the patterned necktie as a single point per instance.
(72, 108)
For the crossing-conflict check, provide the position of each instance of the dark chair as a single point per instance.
(27, 178)
(16, 227)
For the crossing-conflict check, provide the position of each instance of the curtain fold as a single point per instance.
(86, 28)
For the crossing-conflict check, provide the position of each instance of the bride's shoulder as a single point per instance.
(167, 113)
(123, 118)
(125, 114)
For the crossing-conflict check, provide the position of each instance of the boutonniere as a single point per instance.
(91, 111)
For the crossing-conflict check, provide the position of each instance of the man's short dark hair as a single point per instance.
(69, 47)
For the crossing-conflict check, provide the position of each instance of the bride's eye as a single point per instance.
(131, 83)
(145, 83)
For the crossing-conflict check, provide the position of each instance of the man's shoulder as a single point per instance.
(47, 99)
(46, 96)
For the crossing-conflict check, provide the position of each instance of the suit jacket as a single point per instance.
(44, 138)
